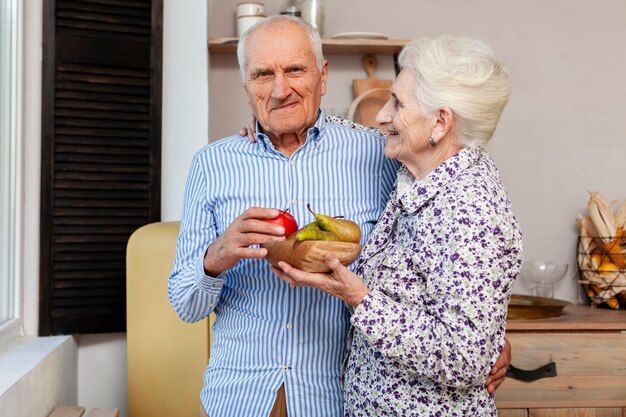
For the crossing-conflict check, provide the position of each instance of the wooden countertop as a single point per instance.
(574, 317)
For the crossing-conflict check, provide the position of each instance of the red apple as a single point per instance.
(287, 221)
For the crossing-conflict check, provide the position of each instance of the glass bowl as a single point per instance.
(542, 275)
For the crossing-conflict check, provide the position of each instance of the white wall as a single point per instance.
(102, 381)
(562, 133)
(185, 97)
(32, 163)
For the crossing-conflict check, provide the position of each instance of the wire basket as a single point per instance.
(601, 264)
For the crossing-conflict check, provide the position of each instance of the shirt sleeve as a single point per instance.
(192, 293)
(388, 179)
(453, 330)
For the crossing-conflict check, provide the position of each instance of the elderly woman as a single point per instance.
(431, 291)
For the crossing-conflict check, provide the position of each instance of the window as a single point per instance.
(10, 163)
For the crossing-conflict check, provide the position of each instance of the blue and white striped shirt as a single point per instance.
(267, 333)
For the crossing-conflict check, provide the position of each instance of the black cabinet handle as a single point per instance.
(546, 371)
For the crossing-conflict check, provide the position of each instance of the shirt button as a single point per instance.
(293, 201)
(285, 368)
(293, 163)
(292, 286)
(289, 326)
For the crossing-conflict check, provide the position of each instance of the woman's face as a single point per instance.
(409, 130)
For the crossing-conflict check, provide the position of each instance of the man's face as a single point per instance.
(283, 83)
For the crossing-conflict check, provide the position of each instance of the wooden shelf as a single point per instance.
(329, 46)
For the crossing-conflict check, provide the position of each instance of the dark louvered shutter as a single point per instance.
(101, 155)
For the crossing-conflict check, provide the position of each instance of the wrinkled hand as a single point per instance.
(234, 244)
(340, 282)
(499, 369)
(250, 130)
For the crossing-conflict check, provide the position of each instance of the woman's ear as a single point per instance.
(444, 123)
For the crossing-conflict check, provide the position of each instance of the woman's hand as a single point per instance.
(340, 282)
(250, 131)
(499, 369)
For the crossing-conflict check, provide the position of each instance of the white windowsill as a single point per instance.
(23, 355)
(37, 374)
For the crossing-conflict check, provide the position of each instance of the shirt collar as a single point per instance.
(314, 134)
(413, 193)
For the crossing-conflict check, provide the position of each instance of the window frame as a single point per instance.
(11, 32)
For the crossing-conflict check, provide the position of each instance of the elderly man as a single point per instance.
(275, 348)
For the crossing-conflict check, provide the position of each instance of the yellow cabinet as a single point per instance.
(166, 357)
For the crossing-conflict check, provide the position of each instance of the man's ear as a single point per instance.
(324, 75)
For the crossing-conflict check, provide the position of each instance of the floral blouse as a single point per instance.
(440, 266)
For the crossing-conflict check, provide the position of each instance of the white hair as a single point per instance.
(464, 75)
(312, 33)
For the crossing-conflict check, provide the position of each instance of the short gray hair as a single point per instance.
(464, 75)
(312, 33)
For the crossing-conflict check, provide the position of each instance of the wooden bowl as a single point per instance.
(308, 255)
(528, 307)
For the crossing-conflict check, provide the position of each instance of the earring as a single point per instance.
(432, 142)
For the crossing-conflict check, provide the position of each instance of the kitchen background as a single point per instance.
(562, 134)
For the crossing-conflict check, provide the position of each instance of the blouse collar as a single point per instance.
(413, 193)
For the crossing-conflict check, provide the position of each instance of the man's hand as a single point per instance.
(234, 244)
(250, 131)
(499, 369)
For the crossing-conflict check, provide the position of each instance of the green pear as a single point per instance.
(313, 225)
(345, 230)
(314, 234)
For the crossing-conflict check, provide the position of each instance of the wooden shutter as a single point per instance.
(101, 155)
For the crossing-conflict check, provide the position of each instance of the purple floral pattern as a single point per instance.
(440, 266)
(352, 125)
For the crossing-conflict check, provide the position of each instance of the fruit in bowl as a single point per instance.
(306, 248)
(285, 220)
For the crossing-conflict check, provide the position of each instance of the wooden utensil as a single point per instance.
(369, 102)
(308, 255)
